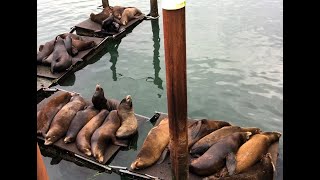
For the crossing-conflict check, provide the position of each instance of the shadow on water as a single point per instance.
(114, 54)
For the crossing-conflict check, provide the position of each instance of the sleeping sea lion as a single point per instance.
(100, 102)
(214, 158)
(104, 134)
(45, 50)
(129, 123)
(251, 152)
(80, 120)
(129, 14)
(207, 141)
(83, 139)
(54, 103)
(63, 118)
(104, 14)
(152, 147)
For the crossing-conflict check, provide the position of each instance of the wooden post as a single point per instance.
(154, 8)
(105, 3)
(41, 168)
(176, 81)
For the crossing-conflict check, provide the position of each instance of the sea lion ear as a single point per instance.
(231, 163)
(41, 47)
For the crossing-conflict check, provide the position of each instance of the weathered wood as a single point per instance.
(176, 81)
(105, 3)
(154, 8)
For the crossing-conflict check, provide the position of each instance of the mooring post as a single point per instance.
(105, 3)
(41, 168)
(176, 81)
(154, 8)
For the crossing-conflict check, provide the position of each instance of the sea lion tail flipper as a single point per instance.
(41, 47)
(231, 163)
(74, 51)
(119, 142)
(163, 156)
(75, 60)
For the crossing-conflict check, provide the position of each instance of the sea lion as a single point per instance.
(45, 50)
(263, 170)
(207, 141)
(47, 60)
(104, 14)
(82, 45)
(110, 25)
(251, 152)
(201, 128)
(80, 120)
(68, 43)
(152, 147)
(100, 102)
(61, 59)
(54, 103)
(84, 136)
(214, 158)
(129, 14)
(129, 123)
(102, 136)
(73, 36)
(117, 11)
(63, 118)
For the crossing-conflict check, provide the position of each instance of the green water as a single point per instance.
(234, 66)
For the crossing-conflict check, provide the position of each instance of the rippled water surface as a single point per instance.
(234, 66)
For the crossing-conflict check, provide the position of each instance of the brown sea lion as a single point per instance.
(82, 45)
(201, 128)
(263, 170)
(61, 59)
(104, 14)
(73, 36)
(63, 118)
(68, 43)
(129, 123)
(129, 14)
(47, 60)
(45, 50)
(214, 158)
(104, 134)
(80, 120)
(117, 11)
(251, 152)
(100, 102)
(207, 141)
(54, 103)
(83, 139)
(152, 147)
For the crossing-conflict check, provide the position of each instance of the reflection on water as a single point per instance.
(113, 50)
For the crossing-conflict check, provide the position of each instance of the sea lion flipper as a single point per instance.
(41, 47)
(75, 60)
(231, 163)
(119, 142)
(163, 156)
(74, 51)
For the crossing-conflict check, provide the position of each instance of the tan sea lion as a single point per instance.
(82, 45)
(104, 14)
(80, 120)
(117, 11)
(100, 102)
(83, 139)
(207, 141)
(45, 116)
(263, 170)
(63, 118)
(153, 146)
(129, 123)
(201, 128)
(45, 50)
(104, 134)
(129, 14)
(214, 158)
(251, 152)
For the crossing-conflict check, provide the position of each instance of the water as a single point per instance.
(234, 66)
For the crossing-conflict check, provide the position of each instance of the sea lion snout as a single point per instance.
(248, 134)
(98, 87)
(128, 98)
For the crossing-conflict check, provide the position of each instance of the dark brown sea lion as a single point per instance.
(45, 50)
(201, 128)
(129, 123)
(207, 141)
(83, 139)
(100, 102)
(263, 170)
(54, 103)
(214, 158)
(63, 118)
(129, 14)
(61, 59)
(82, 45)
(117, 11)
(152, 147)
(104, 14)
(251, 152)
(104, 134)
(80, 120)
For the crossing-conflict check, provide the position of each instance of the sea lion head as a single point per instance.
(49, 139)
(137, 164)
(98, 99)
(126, 102)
